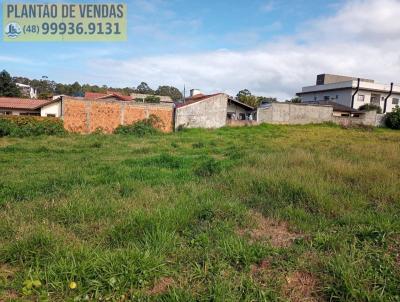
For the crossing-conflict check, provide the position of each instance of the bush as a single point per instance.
(370, 107)
(142, 128)
(21, 126)
(393, 119)
(208, 168)
(152, 99)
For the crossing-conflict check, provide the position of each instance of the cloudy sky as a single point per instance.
(272, 47)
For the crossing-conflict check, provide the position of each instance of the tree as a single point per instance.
(371, 107)
(246, 97)
(7, 86)
(76, 89)
(152, 99)
(171, 91)
(144, 88)
(244, 92)
(295, 100)
(393, 118)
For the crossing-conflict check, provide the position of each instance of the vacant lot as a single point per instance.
(279, 213)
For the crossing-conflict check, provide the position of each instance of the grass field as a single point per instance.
(267, 213)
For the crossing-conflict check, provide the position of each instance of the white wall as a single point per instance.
(52, 109)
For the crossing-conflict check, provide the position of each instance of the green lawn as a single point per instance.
(267, 213)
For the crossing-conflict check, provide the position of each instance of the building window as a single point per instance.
(5, 112)
(361, 98)
(327, 98)
(337, 96)
(30, 113)
(242, 116)
(395, 101)
(51, 115)
(315, 98)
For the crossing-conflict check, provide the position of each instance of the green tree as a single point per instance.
(246, 97)
(295, 100)
(171, 91)
(393, 119)
(144, 88)
(7, 86)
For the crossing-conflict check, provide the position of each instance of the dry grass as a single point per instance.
(267, 229)
(301, 287)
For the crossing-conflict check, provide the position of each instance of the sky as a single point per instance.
(271, 47)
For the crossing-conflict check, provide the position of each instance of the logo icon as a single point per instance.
(13, 30)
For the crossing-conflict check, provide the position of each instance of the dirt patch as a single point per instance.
(7, 272)
(260, 268)
(301, 287)
(161, 286)
(9, 295)
(276, 232)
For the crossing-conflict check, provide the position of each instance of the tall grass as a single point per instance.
(117, 214)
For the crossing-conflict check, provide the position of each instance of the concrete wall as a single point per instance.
(208, 113)
(286, 113)
(52, 109)
(370, 118)
(87, 116)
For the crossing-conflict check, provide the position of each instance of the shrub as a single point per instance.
(371, 107)
(142, 128)
(21, 126)
(208, 168)
(152, 99)
(393, 119)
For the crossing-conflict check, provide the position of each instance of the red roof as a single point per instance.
(195, 99)
(97, 96)
(94, 95)
(24, 104)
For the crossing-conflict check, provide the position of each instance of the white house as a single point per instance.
(352, 92)
(27, 90)
(18, 106)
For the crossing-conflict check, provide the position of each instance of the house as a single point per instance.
(111, 96)
(210, 111)
(351, 92)
(27, 91)
(18, 106)
(140, 97)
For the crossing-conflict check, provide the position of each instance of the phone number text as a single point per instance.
(73, 29)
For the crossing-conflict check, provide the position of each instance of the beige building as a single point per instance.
(352, 92)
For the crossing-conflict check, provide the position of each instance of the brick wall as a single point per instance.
(85, 116)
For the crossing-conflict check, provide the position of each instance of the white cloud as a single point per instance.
(361, 39)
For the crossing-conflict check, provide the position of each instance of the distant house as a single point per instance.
(210, 111)
(27, 91)
(351, 92)
(339, 109)
(111, 96)
(140, 97)
(18, 106)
